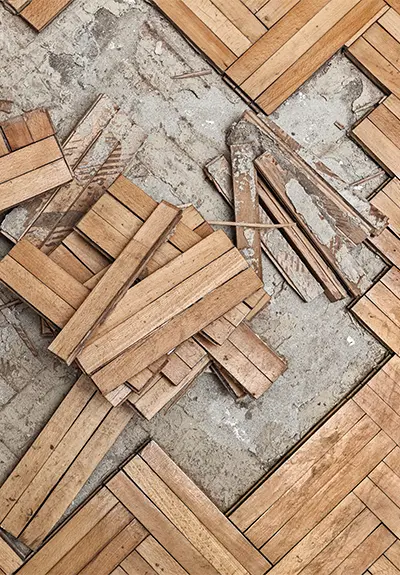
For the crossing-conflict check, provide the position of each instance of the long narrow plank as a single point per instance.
(159, 559)
(29, 158)
(386, 301)
(379, 411)
(391, 20)
(181, 516)
(378, 322)
(56, 465)
(386, 45)
(383, 567)
(66, 260)
(318, 54)
(238, 13)
(198, 32)
(274, 10)
(298, 465)
(386, 205)
(275, 66)
(380, 504)
(17, 133)
(75, 478)
(378, 144)
(34, 292)
(328, 497)
(33, 184)
(393, 554)
(375, 65)
(386, 122)
(389, 245)
(159, 526)
(324, 533)
(9, 560)
(93, 542)
(39, 13)
(75, 530)
(44, 444)
(392, 281)
(49, 273)
(115, 282)
(366, 26)
(182, 327)
(160, 311)
(316, 477)
(204, 509)
(134, 564)
(86, 253)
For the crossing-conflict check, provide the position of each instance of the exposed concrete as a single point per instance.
(128, 50)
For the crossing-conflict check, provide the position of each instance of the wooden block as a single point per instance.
(156, 556)
(391, 20)
(43, 446)
(380, 504)
(388, 202)
(246, 205)
(392, 368)
(159, 526)
(134, 564)
(39, 124)
(241, 17)
(193, 27)
(383, 566)
(75, 478)
(379, 411)
(387, 389)
(116, 282)
(17, 133)
(378, 144)
(274, 10)
(393, 554)
(204, 509)
(382, 41)
(75, 530)
(39, 13)
(175, 369)
(389, 245)
(378, 323)
(386, 301)
(366, 26)
(87, 254)
(29, 158)
(9, 560)
(66, 260)
(176, 331)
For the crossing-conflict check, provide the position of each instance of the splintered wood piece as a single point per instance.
(39, 13)
(179, 329)
(115, 282)
(204, 509)
(305, 208)
(245, 199)
(273, 243)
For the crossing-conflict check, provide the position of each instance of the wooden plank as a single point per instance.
(246, 205)
(39, 13)
(384, 43)
(93, 542)
(387, 206)
(298, 465)
(16, 133)
(392, 281)
(328, 497)
(34, 292)
(378, 145)
(378, 322)
(383, 567)
(274, 10)
(375, 65)
(86, 253)
(191, 352)
(134, 564)
(386, 301)
(219, 25)
(159, 526)
(159, 559)
(389, 245)
(199, 33)
(49, 273)
(9, 560)
(361, 31)
(242, 17)
(393, 554)
(183, 519)
(391, 20)
(43, 446)
(392, 103)
(165, 308)
(380, 504)
(392, 368)
(386, 122)
(183, 326)
(75, 530)
(379, 411)
(71, 264)
(75, 478)
(3, 145)
(32, 184)
(115, 282)
(367, 553)
(175, 369)
(56, 465)
(387, 389)
(29, 158)
(323, 534)
(39, 124)
(320, 53)
(204, 509)
(340, 454)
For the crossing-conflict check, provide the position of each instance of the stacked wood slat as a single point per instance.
(149, 518)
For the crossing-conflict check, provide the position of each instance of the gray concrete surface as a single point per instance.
(127, 49)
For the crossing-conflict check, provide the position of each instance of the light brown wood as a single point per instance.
(9, 560)
(29, 158)
(134, 564)
(39, 13)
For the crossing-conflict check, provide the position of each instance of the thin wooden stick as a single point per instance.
(10, 304)
(192, 75)
(249, 225)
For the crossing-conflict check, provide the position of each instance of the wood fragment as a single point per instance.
(191, 75)
(250, 225)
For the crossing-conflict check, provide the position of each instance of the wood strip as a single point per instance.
(320, 52)
(75, 478)
(391, 20)
(86, 253)
(383, 567)
(159, 526)
(159, 559)
(387, 389)
(380, 504)
(16, 133)
(116, 282)
(378, 322)
(29, 158)
(194, 28)
(183, 519)
(39, 124)
(389, 245)
(386, 301)
(238, 13)
(144, 323)
(274, 10)
(176, 331)
(43, 446)
(246, 205)
(393, 104)
(392, 281)
(379, 411)
(386, 45)
(9, 560)
(384, 202)
(328, 497)
(32, 184)
(204, 509)
(39, 13)
(378, 145)
(393, 554)
(71, 264)
(360, 32)
(134, 564)
(71, 533)
(56, 465)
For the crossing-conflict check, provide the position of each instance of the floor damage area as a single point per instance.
(200, 318)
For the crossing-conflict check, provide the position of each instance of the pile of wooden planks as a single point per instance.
(146, 296)
(268, 48)
(269, 183)
(38, 13)
(31, 159)
(148, 519)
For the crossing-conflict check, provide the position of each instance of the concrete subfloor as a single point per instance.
(128, 50)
